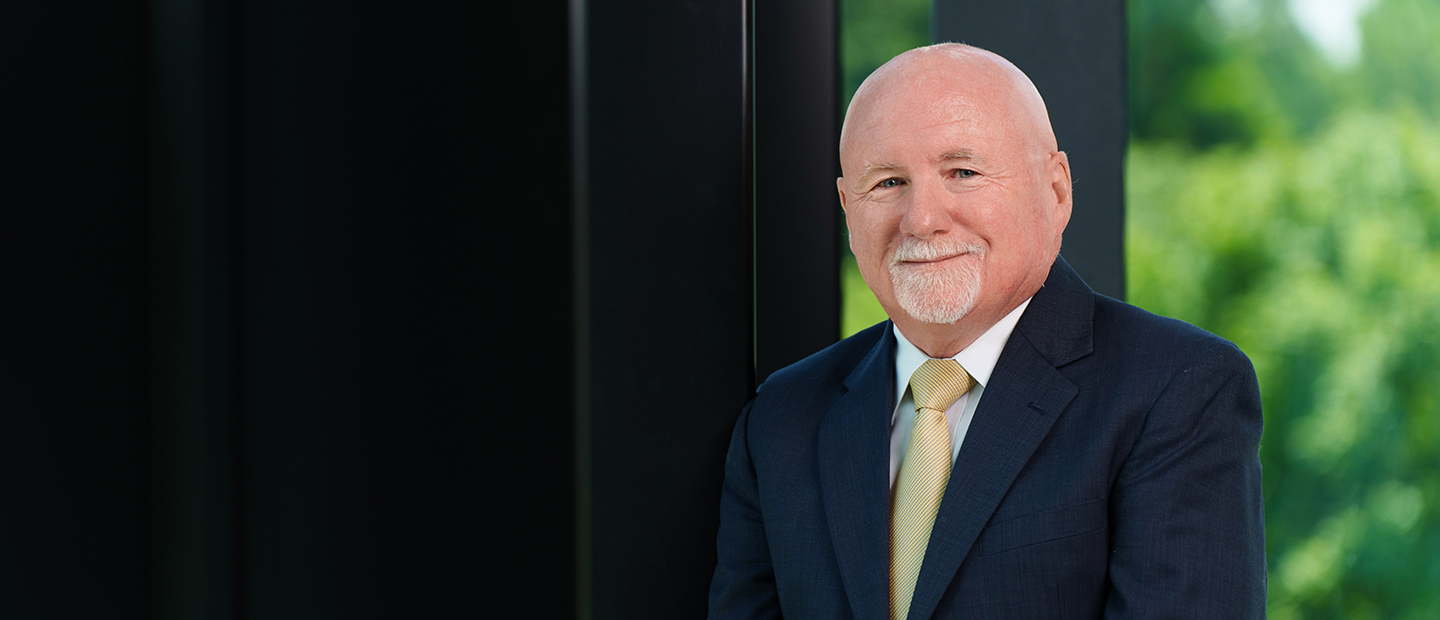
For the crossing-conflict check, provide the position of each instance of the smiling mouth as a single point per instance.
(930, 261)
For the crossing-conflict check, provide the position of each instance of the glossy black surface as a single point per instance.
(797, 213)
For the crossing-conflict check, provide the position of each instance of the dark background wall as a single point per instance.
(276, 298)
(337, 309)
(74, 326)
(323, 309)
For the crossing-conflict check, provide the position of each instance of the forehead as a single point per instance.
(915, 124)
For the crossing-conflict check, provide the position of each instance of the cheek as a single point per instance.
(870, 244)
(867, 233)
(1031, 226)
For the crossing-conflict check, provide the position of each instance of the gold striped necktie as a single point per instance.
(935, 385)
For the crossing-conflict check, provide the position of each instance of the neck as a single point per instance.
(943, 340)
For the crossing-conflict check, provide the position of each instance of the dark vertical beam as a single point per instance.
(667, 227)
(74, 345)
(192, 301)
(406, 311)
(303, 443)
(528, 299)
(797, 284)
(1074, 52)
(581, 376)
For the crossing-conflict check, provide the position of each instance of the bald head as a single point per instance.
(953, 75)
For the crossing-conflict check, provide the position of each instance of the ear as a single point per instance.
(1060, 187)
(844, 203)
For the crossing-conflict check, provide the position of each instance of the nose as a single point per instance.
(926, 209)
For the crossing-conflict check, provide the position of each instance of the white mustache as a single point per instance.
(913, 249)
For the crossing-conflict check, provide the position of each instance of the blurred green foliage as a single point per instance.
(1292, 205)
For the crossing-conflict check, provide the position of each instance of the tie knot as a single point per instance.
(937, 384)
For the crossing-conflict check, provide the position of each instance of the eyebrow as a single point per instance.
(965, 154)
(871, 170)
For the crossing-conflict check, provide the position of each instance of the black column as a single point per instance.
(797, 211)
(403, 274)
(664, 297)
(74, 329)
(1074, 52)
(194, 310)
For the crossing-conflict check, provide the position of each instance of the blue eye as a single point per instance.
(891, 182)
(963, 173)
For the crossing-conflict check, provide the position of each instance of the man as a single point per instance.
(1010, 444)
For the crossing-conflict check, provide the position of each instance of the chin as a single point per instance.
(939, 298)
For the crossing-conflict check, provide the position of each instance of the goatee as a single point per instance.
(940, 293)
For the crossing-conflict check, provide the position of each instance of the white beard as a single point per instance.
(934, 294)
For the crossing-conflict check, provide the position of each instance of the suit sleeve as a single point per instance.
(744, 583)
(1187, 515)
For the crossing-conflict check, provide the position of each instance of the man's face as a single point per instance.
(951, 206)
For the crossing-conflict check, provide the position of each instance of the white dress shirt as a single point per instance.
(978, 359)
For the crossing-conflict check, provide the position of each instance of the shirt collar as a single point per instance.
(978, 359)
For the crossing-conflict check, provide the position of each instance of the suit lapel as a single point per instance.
(1017, 410)
(1015, 413)
(854, 454)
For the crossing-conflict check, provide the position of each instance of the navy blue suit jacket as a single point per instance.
(1111, 471)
